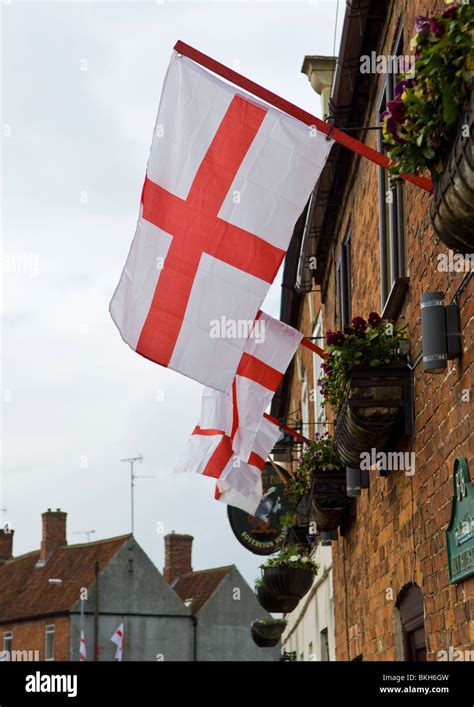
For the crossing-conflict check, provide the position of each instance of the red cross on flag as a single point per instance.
(269, 349)
(227, 178)
(117, 638)
(209, 452)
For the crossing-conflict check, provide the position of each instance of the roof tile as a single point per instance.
(26, 590)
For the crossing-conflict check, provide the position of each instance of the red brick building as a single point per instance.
(35, 613)
(50, 596)
(392, 595)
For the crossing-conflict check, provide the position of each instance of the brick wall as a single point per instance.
(397, 536)
(30, 636)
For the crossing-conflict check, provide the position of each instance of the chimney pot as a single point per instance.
(178, 553)
(6, 545)
(54, 532)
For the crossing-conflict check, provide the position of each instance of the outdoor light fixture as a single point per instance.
(440, 331)
(356, 479)
(327, 536)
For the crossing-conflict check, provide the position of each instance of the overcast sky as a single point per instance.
(81, 83)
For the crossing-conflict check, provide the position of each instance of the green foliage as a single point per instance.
(375, 342)
(287, 519)
(270, 621)
(291, 556)
(319, 454)
(419, 125)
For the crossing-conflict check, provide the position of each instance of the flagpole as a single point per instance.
(291, 109)
(314, 348)
(290, 430)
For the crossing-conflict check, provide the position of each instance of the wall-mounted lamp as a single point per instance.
(440, 331)
(327, 536)
(356, 479)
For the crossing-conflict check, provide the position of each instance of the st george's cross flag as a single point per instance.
(227, 178)
(82, 647)
(269, 349)
(209, 452)
(117, 638)
(248, 503)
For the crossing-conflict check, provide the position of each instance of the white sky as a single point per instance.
(80, 88)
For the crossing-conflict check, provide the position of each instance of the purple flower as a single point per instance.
(402, 85)
(391, 127)
(326, 368)
(450, 11)
(348, 330)
(397, 109)
(359, 323)
(374, 319)
(335, 338)
(437, 27)
(422, 25)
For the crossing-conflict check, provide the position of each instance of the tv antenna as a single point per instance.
(84, 532)
(133, 476)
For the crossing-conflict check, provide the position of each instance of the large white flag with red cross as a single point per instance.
(269, 349)
(227, 178)
(209, 452)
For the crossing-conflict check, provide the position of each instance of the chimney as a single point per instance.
(178, 549)
(320, 71)
(54, 532)
(6, 545)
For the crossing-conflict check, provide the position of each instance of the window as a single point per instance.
(319, 416)
(8, 641)
(344, 290)
(49, 632)
(391, 213)
(304, 405)
(410, 605)
(324, 644)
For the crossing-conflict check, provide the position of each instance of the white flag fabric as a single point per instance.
(117, 638)
(267, 354)
(227, 495)
(209, 452)
(227, 178)
(82, 647)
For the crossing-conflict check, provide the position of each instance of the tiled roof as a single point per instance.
(26, 591)
(199, 586)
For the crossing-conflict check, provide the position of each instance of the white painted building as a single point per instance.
(310, 629)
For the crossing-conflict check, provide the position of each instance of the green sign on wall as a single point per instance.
(460, 531)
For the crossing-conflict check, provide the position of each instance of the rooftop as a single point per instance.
(195, 588)
(25, 587)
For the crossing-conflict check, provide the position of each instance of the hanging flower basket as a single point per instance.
(263, 642)
(318, 485)
(271, 629)
(452, 207)
(289, 573)
(288, 582)
(275, 604)
(428, 125)
(329, 499)
(378, 398)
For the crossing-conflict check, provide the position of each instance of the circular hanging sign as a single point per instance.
(262, 534)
